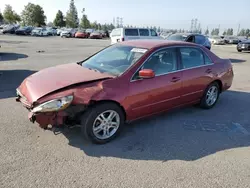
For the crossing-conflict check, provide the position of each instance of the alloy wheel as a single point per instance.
(106, 124)
(212, 95)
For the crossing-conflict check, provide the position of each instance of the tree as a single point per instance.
(33, 15)
(94, 25)
(84, 21)
(247, 32)
(212, 32)
(230, 31)
(242, 32)
(10, 16)
(1, 17)
(207, 32)
(59, 19)
(224, 33)
(72, 16)
(159, 29)
(216, 31)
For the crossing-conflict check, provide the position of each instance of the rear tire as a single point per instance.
(210, 96)
(97, 127)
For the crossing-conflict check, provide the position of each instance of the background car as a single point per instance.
(81, 34)
(217, 40)
(68, 33)
(95, 35)
(58, 32)
(231, 40)
(89, 31)
(51, 31)
(26, 30)
(39, 32)
(243, 46)
(10, 29)
(191, 37)
(122, 83)
(124, 34)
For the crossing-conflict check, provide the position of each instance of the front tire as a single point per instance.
(210, 96)
(102, 123)
(239, 50)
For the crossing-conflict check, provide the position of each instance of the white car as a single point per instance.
(39, 32)
(124, 34)
(216, 40)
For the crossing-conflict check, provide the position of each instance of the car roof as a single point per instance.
(153, 43)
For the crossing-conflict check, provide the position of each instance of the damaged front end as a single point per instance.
(60, 107)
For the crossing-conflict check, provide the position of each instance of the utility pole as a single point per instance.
(114, 21)
(121, 22)
(117, 22)
(195, 24)
(192, 25)
(238, 29)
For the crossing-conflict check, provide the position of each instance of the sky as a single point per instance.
(164, 13)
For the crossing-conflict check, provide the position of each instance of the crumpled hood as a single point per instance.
(51, 79)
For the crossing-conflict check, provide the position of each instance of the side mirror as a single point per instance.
(146, 73)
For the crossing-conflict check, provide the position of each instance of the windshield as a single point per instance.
(178, 37)
(114, 60)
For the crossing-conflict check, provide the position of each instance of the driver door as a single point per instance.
(162, 92)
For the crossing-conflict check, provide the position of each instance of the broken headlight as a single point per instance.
(54, 105)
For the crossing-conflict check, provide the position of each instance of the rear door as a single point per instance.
(144, 33)
(197, 73)
(116, 35)
(199, 39)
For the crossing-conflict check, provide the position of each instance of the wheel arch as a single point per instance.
(219, 82)
(94, 103)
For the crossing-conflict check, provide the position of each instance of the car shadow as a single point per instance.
(237, 60)
(10, 80)
(182, 134)
(11, 56)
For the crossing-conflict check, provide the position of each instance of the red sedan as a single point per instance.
(81, 34)
(125, 82)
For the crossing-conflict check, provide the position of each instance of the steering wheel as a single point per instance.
(114, 69)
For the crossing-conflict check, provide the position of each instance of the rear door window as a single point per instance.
(131, 32)
(144, 32)
(191, 57)
(153, 33)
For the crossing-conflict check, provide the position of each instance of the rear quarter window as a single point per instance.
(153, 33)
(131, 32)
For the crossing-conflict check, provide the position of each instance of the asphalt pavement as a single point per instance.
(187, 147)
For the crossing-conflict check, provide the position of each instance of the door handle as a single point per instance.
(208, 70)
(175, 79)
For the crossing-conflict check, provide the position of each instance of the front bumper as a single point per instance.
(43, 119)
(243, 47)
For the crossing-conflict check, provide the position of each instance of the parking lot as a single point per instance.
(187, 147)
